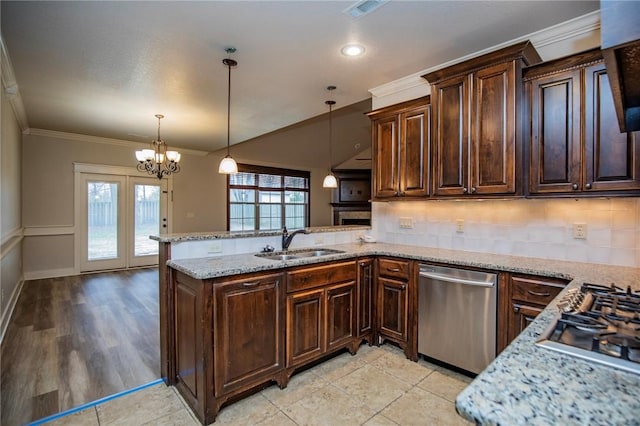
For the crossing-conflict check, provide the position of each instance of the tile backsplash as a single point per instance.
(542, 228)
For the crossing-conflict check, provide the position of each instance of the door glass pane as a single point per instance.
(146, 219)
(102, 220)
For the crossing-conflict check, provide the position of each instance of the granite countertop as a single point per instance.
(215, 235)
(525, 384)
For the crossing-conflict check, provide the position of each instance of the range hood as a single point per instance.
(620, 43)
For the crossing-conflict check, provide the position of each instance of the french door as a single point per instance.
(117, 215)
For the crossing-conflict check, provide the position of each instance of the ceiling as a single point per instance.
(104, 68)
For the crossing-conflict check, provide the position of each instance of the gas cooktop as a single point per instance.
(600, 324)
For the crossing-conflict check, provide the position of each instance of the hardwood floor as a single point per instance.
(76, 339)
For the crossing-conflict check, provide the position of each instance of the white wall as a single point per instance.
(10, 213)
(541, 228)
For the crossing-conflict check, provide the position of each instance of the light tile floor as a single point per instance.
(377, 386)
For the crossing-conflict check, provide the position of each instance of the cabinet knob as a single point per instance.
(403, 286)
(473, 189)
(574, 186)
(465, 190)
(588, 186)
(516, 309)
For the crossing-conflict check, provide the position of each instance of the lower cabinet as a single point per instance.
(321, 312)
(229, 337)
(522, 298)
(397, 304)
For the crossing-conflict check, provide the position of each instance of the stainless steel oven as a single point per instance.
(457, 316)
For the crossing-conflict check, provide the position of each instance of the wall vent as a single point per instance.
(363, 7)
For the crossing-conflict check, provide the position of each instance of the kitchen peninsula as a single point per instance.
(525, 384)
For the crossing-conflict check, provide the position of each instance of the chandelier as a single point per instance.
(158, 161)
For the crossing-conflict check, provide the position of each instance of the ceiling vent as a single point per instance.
(363, 7)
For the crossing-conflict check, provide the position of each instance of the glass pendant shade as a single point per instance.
(228, 166)
(330, 181)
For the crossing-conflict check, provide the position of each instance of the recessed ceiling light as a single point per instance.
(352, 50)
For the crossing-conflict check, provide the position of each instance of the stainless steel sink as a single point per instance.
(297, 254)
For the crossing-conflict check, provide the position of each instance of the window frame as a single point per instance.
(250, 168)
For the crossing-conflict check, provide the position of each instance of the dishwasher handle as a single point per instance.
(450, 279)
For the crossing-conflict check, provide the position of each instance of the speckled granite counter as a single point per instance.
(526, 384)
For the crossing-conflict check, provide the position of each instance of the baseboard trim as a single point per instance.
(6, 315)
(49, 273)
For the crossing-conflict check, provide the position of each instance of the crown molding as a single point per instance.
(97, 139)
(554, 34)
(10, 87)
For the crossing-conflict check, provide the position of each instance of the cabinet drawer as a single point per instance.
(535, 290)
(394, 268)
(301, 279)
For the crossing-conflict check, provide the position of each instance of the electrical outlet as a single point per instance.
(580, 231)
(460, 225)
(214, 247)
(406, 222)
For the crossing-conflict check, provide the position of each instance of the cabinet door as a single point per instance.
(493, 154)
(451, 136)
(385, 153)
(243, 351)
(305, 326)
(365, 297)
(341, 314)
(414, 152)
(555, 133)
(392, 308)
(612, 158)
(523, 315)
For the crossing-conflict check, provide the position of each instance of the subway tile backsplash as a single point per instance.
(541, 228)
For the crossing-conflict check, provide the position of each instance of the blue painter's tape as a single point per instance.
(94, 403)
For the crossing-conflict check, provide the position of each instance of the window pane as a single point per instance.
(146, 219)
(102, 219)
(245, 179)
(270, 181)
(270, 197)
(295, 182)
(297, 197)
(270, 216)
(242, 196)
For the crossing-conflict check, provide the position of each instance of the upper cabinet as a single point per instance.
(401, 150)
(476, 120)
(574, 141)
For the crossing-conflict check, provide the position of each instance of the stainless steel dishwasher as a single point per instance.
(457, 316)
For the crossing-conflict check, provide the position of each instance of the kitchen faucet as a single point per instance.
(287, 237)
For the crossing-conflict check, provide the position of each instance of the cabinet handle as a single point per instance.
(574, 186)
(403, 286)
(473, 189)
(535, 293)
(465, 190)
(251, 284)
(363, 263)
(393, 269)
(516, 309)
(588, 186)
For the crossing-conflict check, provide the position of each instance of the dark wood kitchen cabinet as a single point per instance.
(575, 145)
(397, 304)
(321, 312)
(521, 299)
(401, 150)
(366, 299)
(477, 147)
(219, 351)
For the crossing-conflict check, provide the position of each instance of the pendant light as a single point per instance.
(157, 160)
(330, 180)
(228, 165)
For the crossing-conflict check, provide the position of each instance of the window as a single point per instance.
(266, 198)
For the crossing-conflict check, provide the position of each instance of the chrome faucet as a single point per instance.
(287, 237)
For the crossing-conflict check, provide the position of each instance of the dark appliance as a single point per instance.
(598, 323)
